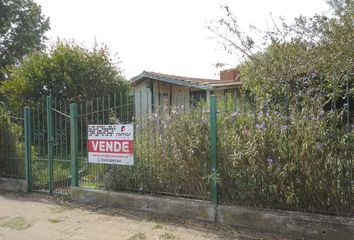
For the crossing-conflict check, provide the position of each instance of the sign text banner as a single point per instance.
(111, 144)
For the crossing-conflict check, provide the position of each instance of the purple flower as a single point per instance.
(319, 146)
(260, 126)
(270, 161)
(306, 83)
(284, 127)
(315, 118)
(313, 74)
(352, 126)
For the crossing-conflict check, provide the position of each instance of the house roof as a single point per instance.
(200, 83)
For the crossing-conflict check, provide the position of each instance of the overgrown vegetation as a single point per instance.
(288, 146)
(292, 149)
(11, 145)
(281, 55)
(287, 158)
(171, 156)
(68, 72)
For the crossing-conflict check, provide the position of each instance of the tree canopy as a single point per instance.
(22, 28)
(293, 55)
(68, 72)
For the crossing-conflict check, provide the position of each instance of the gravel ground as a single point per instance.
(38, 216)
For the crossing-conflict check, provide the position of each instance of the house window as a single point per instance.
(197, 96)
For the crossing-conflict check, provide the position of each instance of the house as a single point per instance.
(153, 90)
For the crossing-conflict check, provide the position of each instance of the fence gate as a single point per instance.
(50, 147)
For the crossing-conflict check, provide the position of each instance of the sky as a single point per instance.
(167, 36)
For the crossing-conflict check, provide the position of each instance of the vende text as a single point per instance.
(111, 146)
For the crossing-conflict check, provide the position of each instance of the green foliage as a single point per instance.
(157, 226)
(171, 156)
(22, 28)
(68, 72)
(284, 156)
(11, 145)
(292, 151)
(299, 161)
(18, 223)
(274, 156)
(320, 47)
(54, 220)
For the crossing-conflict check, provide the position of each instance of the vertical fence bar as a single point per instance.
(50, 144)
(349, 148)
(73, 145)
(213, 150)
(28, 152)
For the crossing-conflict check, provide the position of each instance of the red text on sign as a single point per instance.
(111, 146)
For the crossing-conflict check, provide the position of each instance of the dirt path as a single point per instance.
(37, 216)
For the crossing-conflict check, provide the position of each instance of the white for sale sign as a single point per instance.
(111, 144)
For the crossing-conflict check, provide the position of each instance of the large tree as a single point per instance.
(310, 51)
(22, 28)
(68, 72)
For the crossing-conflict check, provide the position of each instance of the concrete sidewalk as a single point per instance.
(37, 216)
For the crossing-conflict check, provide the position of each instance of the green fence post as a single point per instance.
(28, 151)
(73, 145)
(50, 144)
(213, 150)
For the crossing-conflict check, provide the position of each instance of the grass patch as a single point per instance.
(138, 236)
(157, 226)
(54, 220)
(17, 223)
(59, 209)
(89, 185)
(167, 236)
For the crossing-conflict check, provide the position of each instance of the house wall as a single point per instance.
(143, 100)
(164, 94)
(180, 97)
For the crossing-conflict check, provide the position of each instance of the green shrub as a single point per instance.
(171, 156)
(298, 160)
(11, 145)
(284, 154)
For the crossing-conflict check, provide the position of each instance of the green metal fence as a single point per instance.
(291, 150)
(50, 162)
(161, 165)
(12, 162)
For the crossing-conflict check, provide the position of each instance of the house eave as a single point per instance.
(143, 76)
